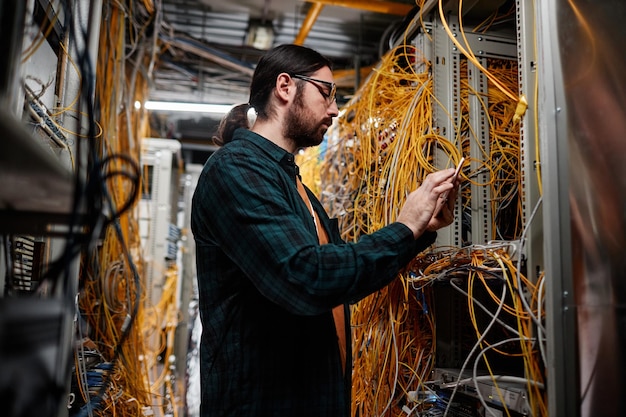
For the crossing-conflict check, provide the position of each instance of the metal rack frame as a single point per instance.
(446, 61)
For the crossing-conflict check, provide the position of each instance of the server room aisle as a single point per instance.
(107, 113)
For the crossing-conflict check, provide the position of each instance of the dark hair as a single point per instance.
(237, 117)
(288, 58)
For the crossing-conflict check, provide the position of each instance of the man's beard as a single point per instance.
(300, 127)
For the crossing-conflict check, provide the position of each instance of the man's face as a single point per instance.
(311, 114)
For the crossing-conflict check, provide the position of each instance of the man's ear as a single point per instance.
(285, 87)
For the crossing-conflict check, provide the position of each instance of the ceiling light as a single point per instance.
(188, 107)
(260, 34)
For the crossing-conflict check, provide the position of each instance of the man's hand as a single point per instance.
(444, 213)
(424, 208)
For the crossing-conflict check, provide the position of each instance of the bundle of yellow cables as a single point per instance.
(380, 148)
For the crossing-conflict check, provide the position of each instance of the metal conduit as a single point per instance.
(371, 6)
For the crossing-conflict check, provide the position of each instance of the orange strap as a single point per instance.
(338, 312)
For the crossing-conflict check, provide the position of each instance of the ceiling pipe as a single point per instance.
(308, 22)
(384, 7)
(199, 48)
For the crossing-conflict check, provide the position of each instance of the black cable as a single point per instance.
(8, 264)
(93, 194)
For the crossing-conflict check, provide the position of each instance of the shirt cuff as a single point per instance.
(425, 240)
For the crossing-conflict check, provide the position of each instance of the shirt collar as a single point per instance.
(285, 159)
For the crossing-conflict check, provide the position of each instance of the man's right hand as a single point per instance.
(423, 209)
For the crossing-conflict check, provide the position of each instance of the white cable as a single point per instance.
(476, 345)
(497, 378)
(475, 376)
(540, 332)
(395, 351)
(402, 135)
(419, 377)
(518, 266)
(479, 304)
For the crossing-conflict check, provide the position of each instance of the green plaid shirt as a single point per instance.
(267, 288)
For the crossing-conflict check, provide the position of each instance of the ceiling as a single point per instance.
(204, 55)
(207, 59)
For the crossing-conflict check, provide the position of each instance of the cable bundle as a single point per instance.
(124, 332)
(515, 310)
(381, 146)
(392, 348)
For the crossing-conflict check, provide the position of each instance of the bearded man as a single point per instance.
(274, 276)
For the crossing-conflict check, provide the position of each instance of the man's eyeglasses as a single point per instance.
(329, 95)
